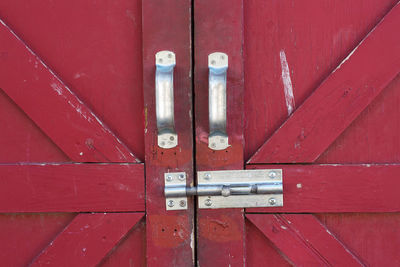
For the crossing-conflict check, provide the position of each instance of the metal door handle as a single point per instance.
(166, 135)
(218, 66)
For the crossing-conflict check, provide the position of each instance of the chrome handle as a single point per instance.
(218, 66)
(166, 135)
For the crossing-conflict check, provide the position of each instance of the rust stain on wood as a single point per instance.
(221, 230)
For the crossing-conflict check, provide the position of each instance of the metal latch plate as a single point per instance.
(175, 180)
(237, 177)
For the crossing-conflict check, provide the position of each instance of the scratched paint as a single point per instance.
(287, 83)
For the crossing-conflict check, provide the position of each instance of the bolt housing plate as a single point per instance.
(174, 179)
(240, 177)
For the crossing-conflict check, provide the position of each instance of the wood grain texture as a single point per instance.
(36, 89)
(96, 49)
(339, 99)
(316, 36)
(41, 228)
(131, 251)
(218, 27)
(337, 188)
(87, 239)
(375, 237)
(304, 240)
(170, 234)
(71, 188)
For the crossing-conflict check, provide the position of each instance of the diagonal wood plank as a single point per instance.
(337, 188)
(87, 239)
(304, 240)
(71, 187)
(41, 94)
(338, 101)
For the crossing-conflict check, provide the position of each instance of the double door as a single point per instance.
(310, 96)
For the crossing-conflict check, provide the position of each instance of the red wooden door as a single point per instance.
(320, 94)
(311, 89)
(77, 125)
(72, 172)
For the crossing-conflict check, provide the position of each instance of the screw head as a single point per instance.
(169, 178)
(225, 191)
(182, 203)
(171, 203)
(272, 174)
(208, 202)
(171, 138)
(272, 201)
(207, 176)
(181, 177)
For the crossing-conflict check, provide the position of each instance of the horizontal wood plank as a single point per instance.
(350, 88)
(48, 101)
(87, 239)
(337, 188)
(304, 240)
(72, 187)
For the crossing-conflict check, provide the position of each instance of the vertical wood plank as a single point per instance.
(170, 235)
(218, 27)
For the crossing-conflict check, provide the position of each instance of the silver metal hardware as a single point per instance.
(227, 189)
(175, 185)
(165, 63)
(218, 66)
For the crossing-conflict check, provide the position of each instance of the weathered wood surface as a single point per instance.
(170, 234)
(71, 187)
(87, 239)
(219, 28)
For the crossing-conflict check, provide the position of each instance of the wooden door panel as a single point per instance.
(28, 234)
(373, 237)
(304, 240)
(29, 143)
(315, 38)
(94, 47)
(338, 101)
(303, 45)
(70, 69)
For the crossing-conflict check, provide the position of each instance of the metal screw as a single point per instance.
(207, 176)
(171, 203)
(182, 203)
(169, 178)
(213, 62)
(171, 138)
(272, 201)
(160, 60)
(212, 144)
(181, 177)
(272, 174)
(208, 202)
